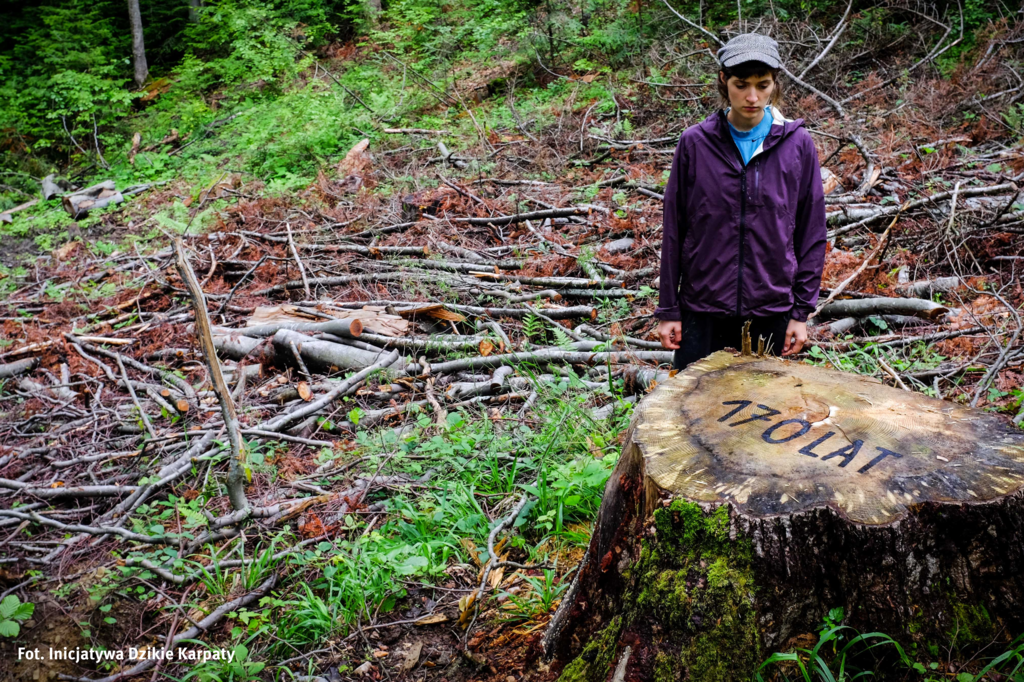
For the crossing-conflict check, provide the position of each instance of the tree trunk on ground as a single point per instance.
(138, 43)
(96, 196)
(755, 494)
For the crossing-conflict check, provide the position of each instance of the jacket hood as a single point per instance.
(715, 129)
(717, 125)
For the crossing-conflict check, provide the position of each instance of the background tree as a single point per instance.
(138, 43)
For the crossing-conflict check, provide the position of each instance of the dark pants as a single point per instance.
(704, 334)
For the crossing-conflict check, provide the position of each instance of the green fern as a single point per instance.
(532, 326)
(562, 340)
(193, 518)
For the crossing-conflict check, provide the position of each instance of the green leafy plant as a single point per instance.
(239, 669)
(12, 613)
(1014, 117)
(843, 655)
(842, 665)
(542, 596)
(562, 340)
(533, 326)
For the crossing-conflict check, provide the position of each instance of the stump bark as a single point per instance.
(755, 494)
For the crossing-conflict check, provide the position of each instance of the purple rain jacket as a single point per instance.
(743, 241)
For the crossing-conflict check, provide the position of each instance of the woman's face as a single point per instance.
(748, 97)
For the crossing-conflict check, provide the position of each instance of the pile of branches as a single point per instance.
(108, 412)
(170, 386)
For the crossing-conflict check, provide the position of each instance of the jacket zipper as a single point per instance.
(743, 217)
(743, 231)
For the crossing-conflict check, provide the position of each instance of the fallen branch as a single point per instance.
(13, 369)
(884, 211)
(883, 241)
(897, 341)
(350, 328)
(544, 357)
(335, 281)
(345, 387)
(324, 354)
(298, 260)
(414, 131)
(236, 473)
(520, 217)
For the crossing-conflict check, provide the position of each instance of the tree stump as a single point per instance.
(755, 494)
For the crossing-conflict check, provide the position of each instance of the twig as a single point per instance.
(952, 207)
(928, 57)
(299, 362)
(135, 399)
(709, 34)
(807, 86)
(298, 261)
(891, 372)
(96, 140)
(835, 36)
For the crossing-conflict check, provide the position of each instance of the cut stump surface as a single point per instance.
(778, 438)
(755, 494)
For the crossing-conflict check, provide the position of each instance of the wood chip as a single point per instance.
(432, 619)
(470, 547)
(412, 657)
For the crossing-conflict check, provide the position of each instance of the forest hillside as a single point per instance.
(323, 322)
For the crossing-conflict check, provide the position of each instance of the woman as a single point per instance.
(744, 225)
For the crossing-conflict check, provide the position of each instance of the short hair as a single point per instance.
(744, 71)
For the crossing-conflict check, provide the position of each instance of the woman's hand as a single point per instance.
(671, 333)
(796, 337)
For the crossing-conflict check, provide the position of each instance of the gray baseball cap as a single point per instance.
(750, 47)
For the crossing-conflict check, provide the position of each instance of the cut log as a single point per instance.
(754, 494)
(97, 196)
(54, 186)
(234, 345)
(863, 307)
(926, 288)
(371, 319)
(350, 329)
(326, 355)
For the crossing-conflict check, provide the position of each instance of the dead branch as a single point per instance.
(345, 387)
(13, 369)
(863, 307)
(236, 474)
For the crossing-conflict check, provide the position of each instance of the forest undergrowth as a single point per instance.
(481, 188)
